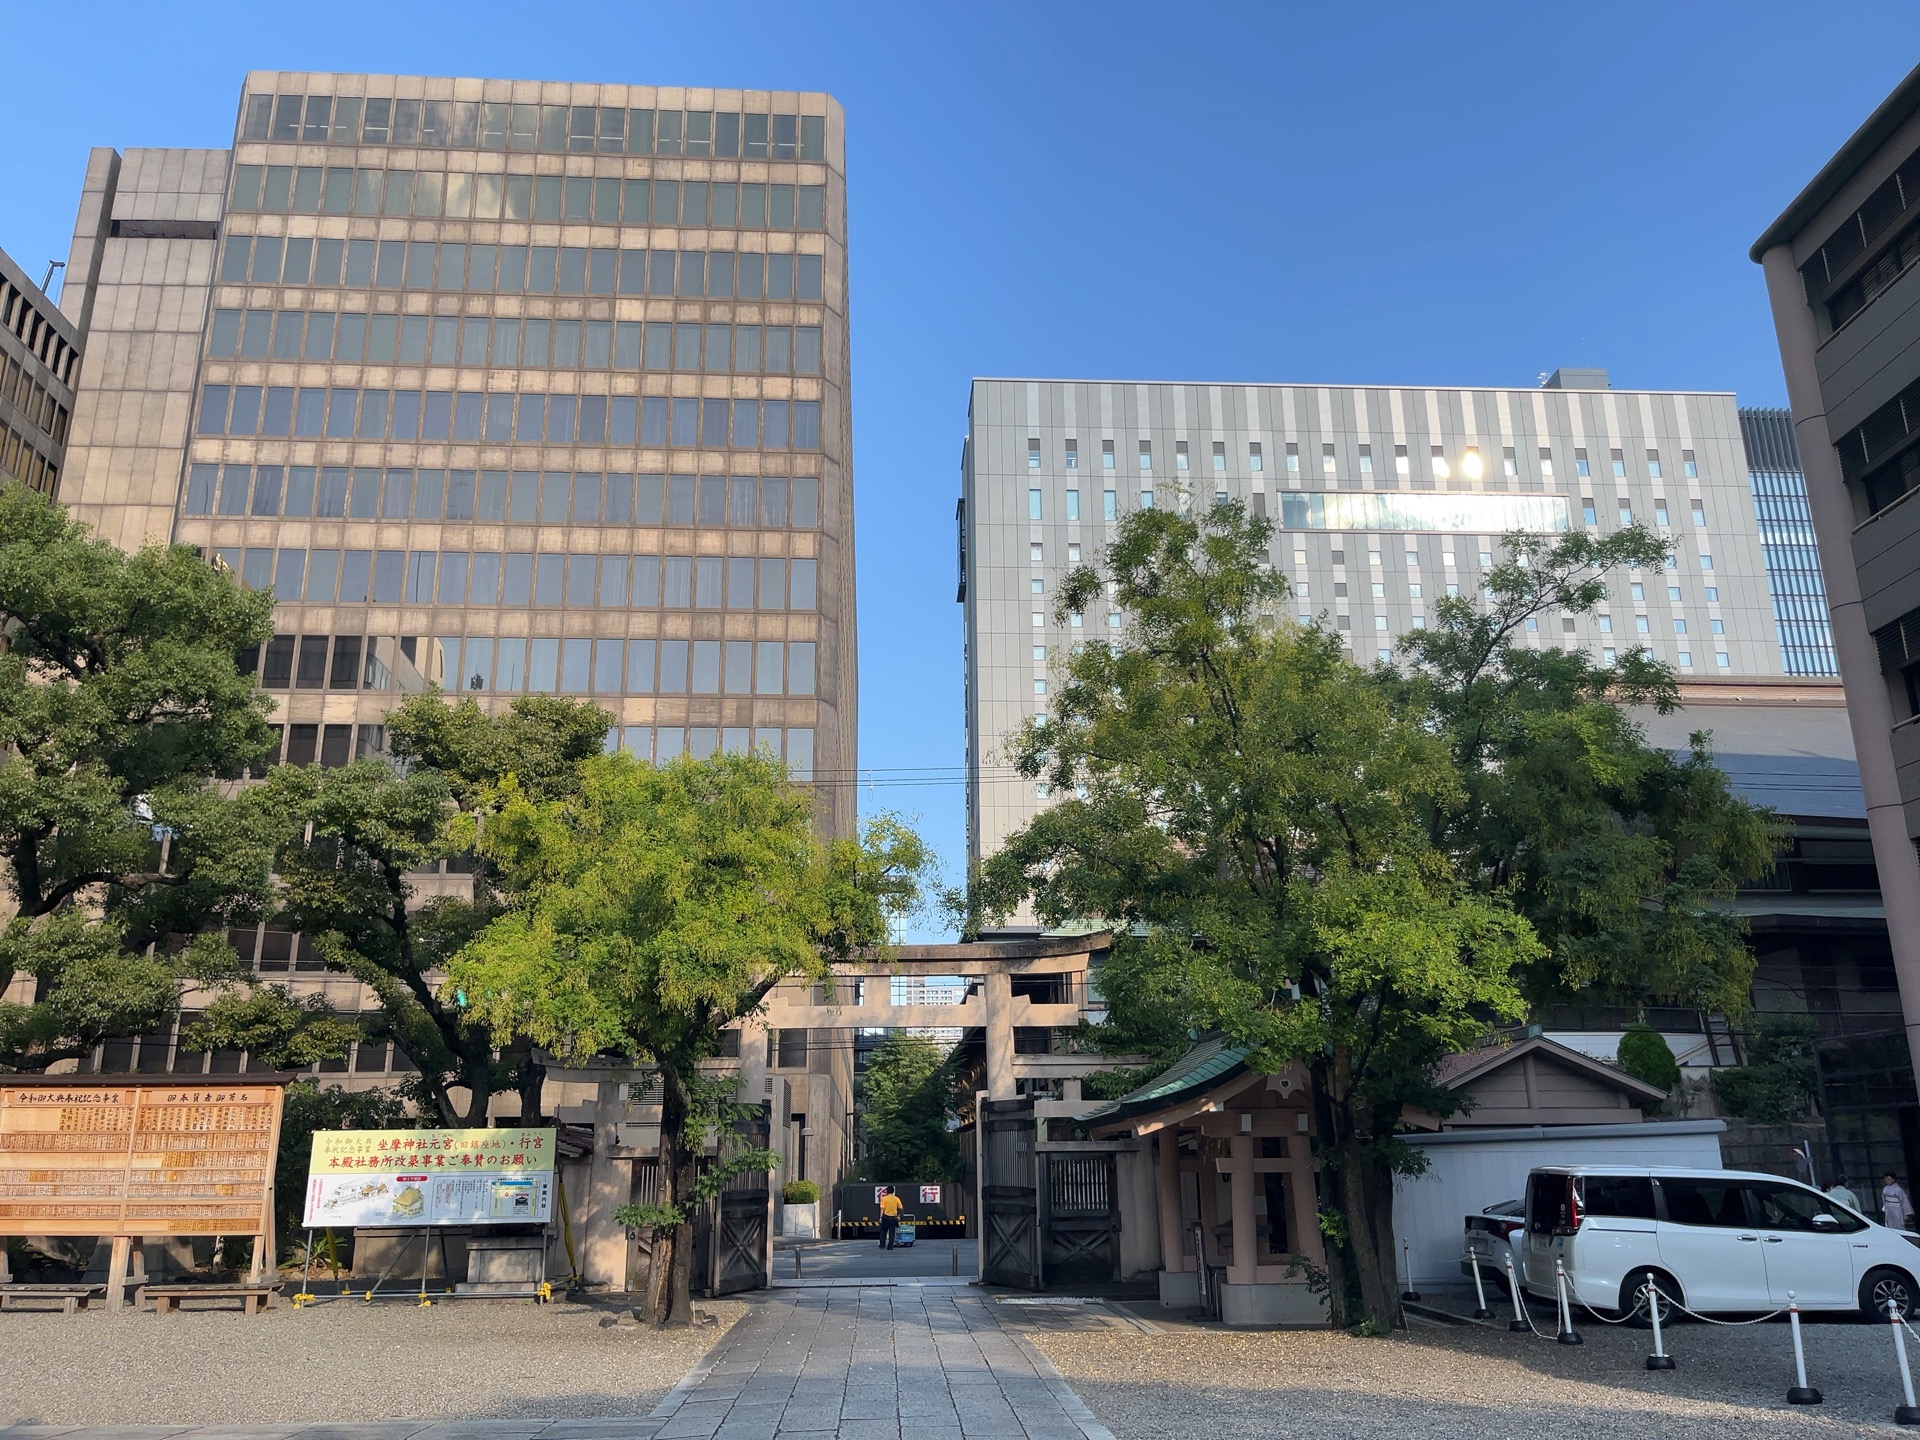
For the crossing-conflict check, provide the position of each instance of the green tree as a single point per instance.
(652, 910)
(121, 708)
(907, 1104)
(1779, 1082)
(1244, 807)
(1621, 854)
(346, 882)
(1645, 1055)
(308, 1109)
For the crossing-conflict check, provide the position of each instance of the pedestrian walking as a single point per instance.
(890, 1207)
(1894, 1207)
(1840, 1193)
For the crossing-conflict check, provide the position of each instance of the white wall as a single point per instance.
(1468, 1171)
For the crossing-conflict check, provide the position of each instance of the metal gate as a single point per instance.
(1082, 1219)
(1010, 1197)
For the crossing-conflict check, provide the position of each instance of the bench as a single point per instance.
(72, 1299)
(167, 1298)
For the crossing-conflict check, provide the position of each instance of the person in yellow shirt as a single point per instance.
(890, 1208)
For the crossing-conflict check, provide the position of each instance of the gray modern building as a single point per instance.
(39, 366)
(1386, 499)
(1840, 272)
(505, 386)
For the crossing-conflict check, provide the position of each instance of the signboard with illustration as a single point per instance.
(96, 1155)
(430, 1177)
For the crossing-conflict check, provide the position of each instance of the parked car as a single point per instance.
(1495, 1234)
(1714, 1240)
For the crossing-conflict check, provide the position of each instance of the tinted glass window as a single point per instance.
(1622, 1195)
(1547, 1208)
(1788, 1207)
(1705, 1202)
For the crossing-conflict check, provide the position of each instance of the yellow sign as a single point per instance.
(343, 1152)
(111, 1156)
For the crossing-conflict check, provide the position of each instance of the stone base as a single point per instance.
(800, 1222)
(1179, 1289)
(504, 1265)
(1272, 1304)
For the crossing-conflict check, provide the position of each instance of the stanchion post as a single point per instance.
(306, 1275)
(1406, 1256)
(1659, 1359)
(1519, 1320)
(1568, 1335)
(1909, 1413)
(1800, 1393)
(1480, 1310)
(798, 1268)
(426, 1259)
(956, 1261)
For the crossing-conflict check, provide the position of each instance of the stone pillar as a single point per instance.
(603, 1243)
(1173, 1246)
(999, 1037)
(1246, 1249)
(1869, 704)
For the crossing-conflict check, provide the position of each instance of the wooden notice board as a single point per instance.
(112, 1155)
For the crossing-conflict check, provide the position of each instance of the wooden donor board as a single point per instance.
(86, 1155)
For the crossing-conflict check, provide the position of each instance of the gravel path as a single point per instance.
(1192, 1381)
(341, 1362)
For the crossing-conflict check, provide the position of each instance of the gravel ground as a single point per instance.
(1203, 1381)
(341, 1361)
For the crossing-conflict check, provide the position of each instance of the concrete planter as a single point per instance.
(800, 1222)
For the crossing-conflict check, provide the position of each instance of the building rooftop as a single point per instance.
(1894, 111)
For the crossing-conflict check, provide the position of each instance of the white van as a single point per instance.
(1715, 1240)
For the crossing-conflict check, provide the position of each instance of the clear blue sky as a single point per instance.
(1469, 193)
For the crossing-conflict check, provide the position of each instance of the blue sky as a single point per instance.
(1470, 193)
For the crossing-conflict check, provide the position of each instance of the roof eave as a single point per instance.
(1893, 112)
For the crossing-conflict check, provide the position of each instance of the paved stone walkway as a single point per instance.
(839, 1362)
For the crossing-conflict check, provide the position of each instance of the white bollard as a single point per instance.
(1801, 1393)
(1659, 1359)
(1568, 1335)
(1519, 1320)
(1480, 1310)
(1909, 1413)
(1406, 1256)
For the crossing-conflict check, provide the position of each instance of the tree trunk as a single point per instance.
(1357, 1186)
(532, 1084)
(670, 1280)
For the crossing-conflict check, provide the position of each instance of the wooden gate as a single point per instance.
(645, 1191)
(1010, 1248)
(740, 1226)
(1081, 1224)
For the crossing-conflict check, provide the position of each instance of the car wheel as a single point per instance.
(1884, 1288)
(1633, 1300)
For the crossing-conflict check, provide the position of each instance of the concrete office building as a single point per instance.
(509, 387)
(39, 365)
(1840, 273)
(1386, 499)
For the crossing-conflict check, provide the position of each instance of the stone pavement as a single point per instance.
(837, 1362)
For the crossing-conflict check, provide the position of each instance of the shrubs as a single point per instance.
(800, 1192)
(1645, 1055)
(1779, 1082)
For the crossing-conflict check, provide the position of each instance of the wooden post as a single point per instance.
(1246, 1254)
(1172, 1249)
(117, 1272)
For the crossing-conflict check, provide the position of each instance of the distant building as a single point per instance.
(1845, 289)
(39, 366)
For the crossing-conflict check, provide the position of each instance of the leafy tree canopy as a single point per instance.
(907, 1104)
(121, 708)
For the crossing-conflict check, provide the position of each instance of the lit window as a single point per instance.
(1446, 558)
(1441, 470)
(1326, 459)
(1073, 454)
(1366, 459)
(1220, 456)
(1179, 455)
(1037, 553)
(1373, 558)
(1073, 505)
(1401, 464)
(1546, 462)
(1471, 465)
(1293, 458)
(1255, 460)
(1033, 454)
(1146, 454)
(1691, 471)
(1509, 463)
(1106, 454)
(1653, 464)
(1580, 464)
(1619, 465)
(1039, 620)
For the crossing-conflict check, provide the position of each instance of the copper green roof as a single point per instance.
(1204, 1066)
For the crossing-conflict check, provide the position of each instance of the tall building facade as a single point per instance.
(1787, 542)
(1385, 500)
(39, 364)
(510, 387)
(1844, 287)
(507, 387)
